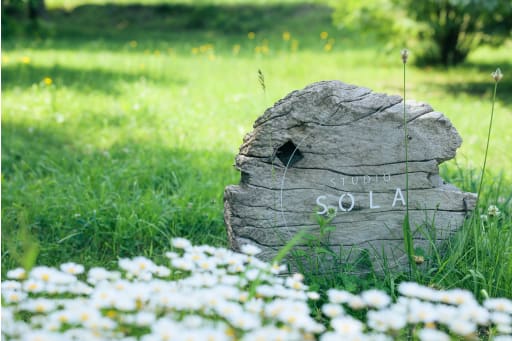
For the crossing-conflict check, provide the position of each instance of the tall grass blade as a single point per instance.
(289, 246)
(409, 246)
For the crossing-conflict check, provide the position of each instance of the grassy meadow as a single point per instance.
(120, 124)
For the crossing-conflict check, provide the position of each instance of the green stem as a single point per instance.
(476, 223)
(487, 146)
(406, 140)
(406, 224)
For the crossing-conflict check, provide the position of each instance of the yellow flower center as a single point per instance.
(230, 332)
(111, 314)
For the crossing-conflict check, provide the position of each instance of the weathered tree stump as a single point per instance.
(334, 148)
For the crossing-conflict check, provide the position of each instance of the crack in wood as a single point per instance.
(400, 126)
(277, 247)
(353, 175)
(340, 228)
(344, 166)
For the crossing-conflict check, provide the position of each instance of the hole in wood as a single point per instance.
(245, 177)
(289, 154)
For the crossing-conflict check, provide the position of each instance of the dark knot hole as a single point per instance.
(289, 154)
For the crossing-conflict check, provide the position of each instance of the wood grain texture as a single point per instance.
(332, 140)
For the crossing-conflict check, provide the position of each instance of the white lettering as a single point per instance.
(367, 179)
(340, 202)
(399, 196)
(346, 201)
(371, 201)
(324, 206)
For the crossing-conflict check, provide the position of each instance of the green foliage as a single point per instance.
(381, 20)
(479, 256)
(23, 17)
(366, 17)
(439, 31)
(333, 266)
(22, 247)
(456, 27)
(12, 11)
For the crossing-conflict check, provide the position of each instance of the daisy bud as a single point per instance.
(493, 211)
(419, 259)
(497, 75)
(405, 55)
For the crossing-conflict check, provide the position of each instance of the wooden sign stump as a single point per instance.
(338, 149)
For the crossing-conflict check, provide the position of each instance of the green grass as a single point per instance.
(134, 140)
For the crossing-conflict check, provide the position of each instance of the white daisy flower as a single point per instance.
(375, 298)
(250, 250)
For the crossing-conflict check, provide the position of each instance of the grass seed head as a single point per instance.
(497, 75)
(405, 55)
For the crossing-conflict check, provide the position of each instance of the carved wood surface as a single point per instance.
(339, 147)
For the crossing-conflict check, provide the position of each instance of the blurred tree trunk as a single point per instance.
(449, 35)
(36, 9)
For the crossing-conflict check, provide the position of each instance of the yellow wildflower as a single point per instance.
(251, 35)
(295, 45)
(25, 60)
(286, 36)
(205, 48)
(324, 35)
(327, 47)
(48, 81)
